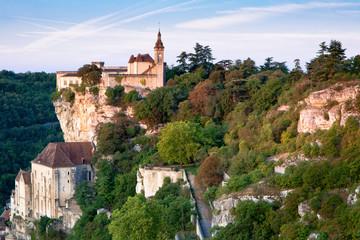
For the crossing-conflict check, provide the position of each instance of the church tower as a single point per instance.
(159, 61)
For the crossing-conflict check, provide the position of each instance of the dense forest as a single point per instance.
(27, 123)
(223, 117)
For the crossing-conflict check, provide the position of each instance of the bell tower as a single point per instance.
(159, 61)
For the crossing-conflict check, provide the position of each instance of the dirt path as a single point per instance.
(203, 208)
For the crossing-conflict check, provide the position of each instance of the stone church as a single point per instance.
(48, 188)
(141, 72)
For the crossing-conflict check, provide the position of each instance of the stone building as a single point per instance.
(140, 73)
(48, 188)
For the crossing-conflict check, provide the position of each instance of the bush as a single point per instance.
(143, 81)
(56, 95)
(210, 193)
(326, 116)
(94, 90)
(209, 172)
(131, 96)
(69, 95)
(113, 95)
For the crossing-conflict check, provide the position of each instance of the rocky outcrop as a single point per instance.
(354, 197)
(221, 215)
(325, 107)
(78, 121)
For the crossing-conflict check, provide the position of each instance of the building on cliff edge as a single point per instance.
(48, 188)
(141, 72)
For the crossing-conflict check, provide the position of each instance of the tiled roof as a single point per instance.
(26, 176)
(65, 154)
(141, 58)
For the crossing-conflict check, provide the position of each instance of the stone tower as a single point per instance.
(159, 61)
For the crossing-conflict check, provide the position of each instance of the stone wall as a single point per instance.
(150, 179)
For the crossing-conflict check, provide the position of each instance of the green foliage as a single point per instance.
(138, 219)
(159, 105)
(118, 79)
(179, 142)
(210, 193)
(56, 95)
(113, 95)
(143, 81)
(94, 90)
(69, 95)
(90, 74)
(251, 222)
(112, 136)
(131, 96)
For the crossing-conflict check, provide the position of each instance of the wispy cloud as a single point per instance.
(90, 27)
(43, 20)
(251, 14)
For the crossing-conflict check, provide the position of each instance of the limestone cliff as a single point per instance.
(78, 120)
(222, 206)
(325, 107)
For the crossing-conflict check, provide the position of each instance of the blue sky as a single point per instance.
(52, 35)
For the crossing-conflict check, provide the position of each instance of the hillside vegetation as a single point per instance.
(225, 117)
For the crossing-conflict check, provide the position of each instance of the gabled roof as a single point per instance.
(141, 58)
(65, 154)
(25, 175)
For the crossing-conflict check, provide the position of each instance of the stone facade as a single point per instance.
(150, 179)
(47, 189)
(142, 72)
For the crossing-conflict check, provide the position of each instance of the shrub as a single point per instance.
(338, 88)
(56, 95)
(131, 96)
(331, 104)
(143, 81)
(357, 101)
(118, 79)
(209, 172)
(69, 95)
(210, 193)
(94, 90)
(113, 95)
(326, 116)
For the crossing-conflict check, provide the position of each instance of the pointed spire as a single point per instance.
(159, 43)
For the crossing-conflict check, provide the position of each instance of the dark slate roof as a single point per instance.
(26, 176)
(141, 58)
(65, 154)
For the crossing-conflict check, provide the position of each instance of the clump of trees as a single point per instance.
(90, 74)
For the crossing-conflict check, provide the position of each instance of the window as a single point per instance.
(65, 82)
(89, 176)
(71, 82)
(68, 181)
(68, 173)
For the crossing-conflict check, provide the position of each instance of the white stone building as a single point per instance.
(48, 188)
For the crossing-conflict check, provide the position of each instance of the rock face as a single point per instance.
(78, 121)
(325, 107)
(221, 215)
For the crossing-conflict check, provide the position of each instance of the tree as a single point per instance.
(202, 57)
(90, 74)
(209, 173)
(179, 142)
(139, 220)
(159, 105)
(182, 58)
(198, 100)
